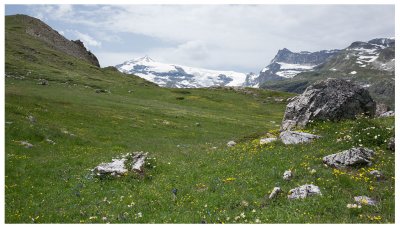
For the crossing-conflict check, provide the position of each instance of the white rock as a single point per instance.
(365, 200)
(295, 137)
(26, 144)
(266, 140)
(387, 114)
(231, 143)
(275, 192)
(138, 161)
(304, 191)
(287, 175)
(117, 166)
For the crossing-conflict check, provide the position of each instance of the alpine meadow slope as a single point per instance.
(64, 116)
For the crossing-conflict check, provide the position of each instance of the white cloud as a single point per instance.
(87, 39)
(221, 36)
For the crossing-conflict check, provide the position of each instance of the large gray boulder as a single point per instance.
(331, 99)
(357, 156)
(296, 137)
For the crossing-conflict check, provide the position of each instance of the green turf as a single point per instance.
(185, 132)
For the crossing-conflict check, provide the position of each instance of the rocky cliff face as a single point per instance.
(377, 54)
(287, 64)
(40, 30)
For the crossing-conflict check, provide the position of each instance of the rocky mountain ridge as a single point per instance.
(42, 31)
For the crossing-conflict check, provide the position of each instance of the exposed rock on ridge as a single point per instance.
(40, 30)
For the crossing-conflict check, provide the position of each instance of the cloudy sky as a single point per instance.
(243, 38)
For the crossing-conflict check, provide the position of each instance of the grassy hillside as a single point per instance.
(93, 115)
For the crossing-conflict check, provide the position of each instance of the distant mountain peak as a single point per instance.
(145, 58)
(178, 76)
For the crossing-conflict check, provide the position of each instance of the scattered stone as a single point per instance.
(138, 161)
(130, 91)
(295, 137)
(377, 174)
(121, 166)
(26, 144)
(244, 203)
(174, 193)
(287, 175)
(275, 192)
(380, 109)
(387, 114)
(356, 156)
(31, 119)
(114, 168)
(50, 141)
(391, 144)
(331, 99)
(102, 91)
(197, 124)
(68, 133)
(365, 200)
(304, 191)
(43, 82)
(266, 140)
(231, 143)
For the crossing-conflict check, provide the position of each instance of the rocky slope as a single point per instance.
(368, 64)
(178, 76)
(287, 64)
(39, 30)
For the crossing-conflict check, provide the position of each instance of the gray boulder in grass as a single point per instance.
(121, 166)
(304, 191)
(357, 156)
(296, 137)
(331, 99)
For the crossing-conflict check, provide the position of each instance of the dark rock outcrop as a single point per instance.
(331, 99)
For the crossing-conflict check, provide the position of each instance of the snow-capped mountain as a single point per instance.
(375, 54)
(287, 64)
(178, 76)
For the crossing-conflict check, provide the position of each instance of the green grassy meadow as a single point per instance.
(185, 132)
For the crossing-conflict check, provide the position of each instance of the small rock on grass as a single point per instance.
(121, 166)
(26, 144)
(391, 144)
(31, 119)
(287, 175)
(304, 191)
(365, 200)
(377, 174)
(231, 143)
(266, 140)
(275, 192)
(296, 137)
